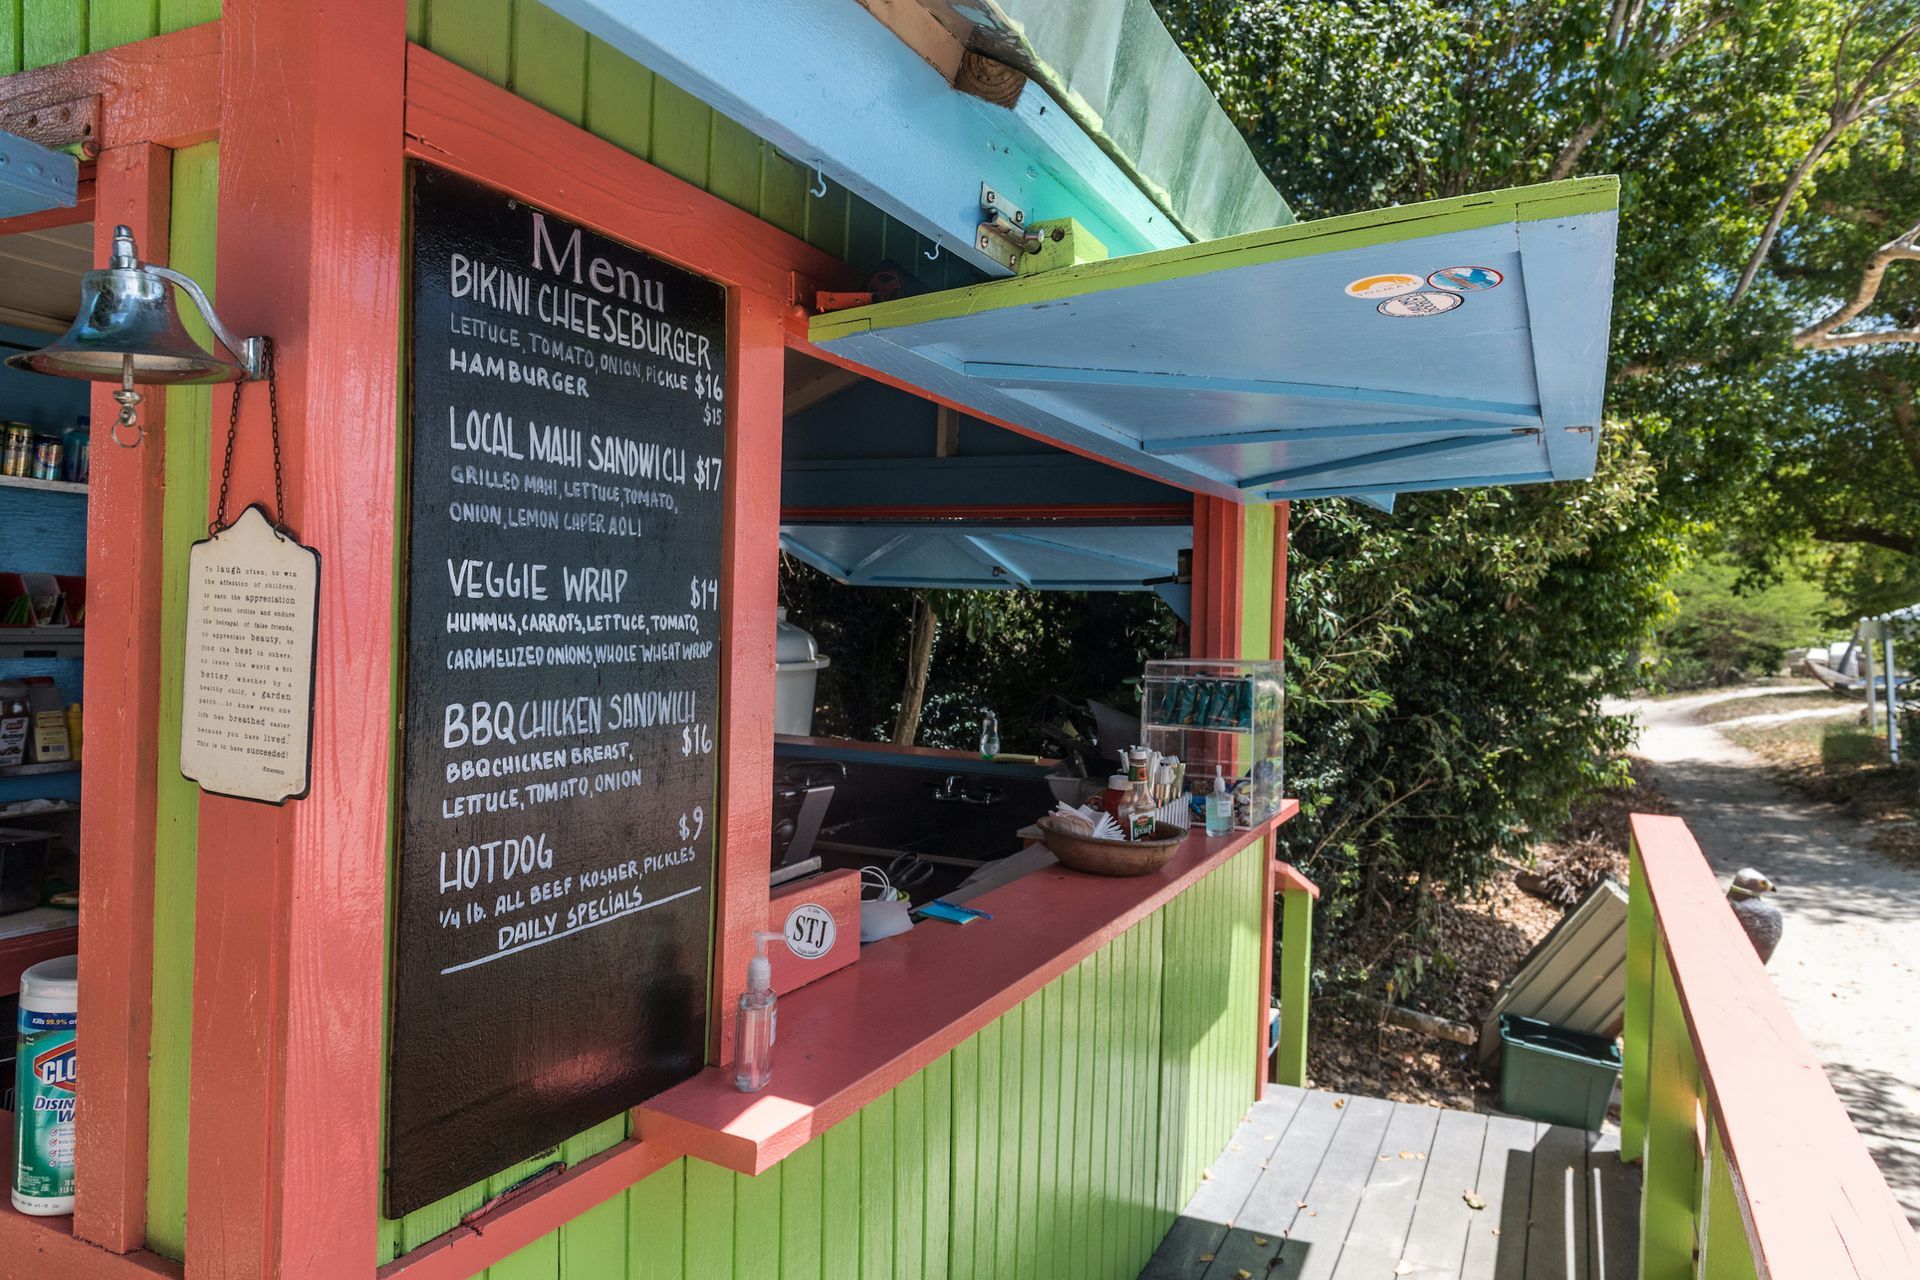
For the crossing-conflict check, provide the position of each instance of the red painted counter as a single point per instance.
(849, 1038)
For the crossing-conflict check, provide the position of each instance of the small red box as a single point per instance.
(838, 892)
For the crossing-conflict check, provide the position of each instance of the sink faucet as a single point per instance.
(801, 771)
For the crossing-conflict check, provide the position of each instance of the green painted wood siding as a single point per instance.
(1058, 1142)
(34, 33)
(187, 442)
(544, 58)
(1691, 1222)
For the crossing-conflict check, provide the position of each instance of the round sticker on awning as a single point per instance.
(1465, 279)
(1387, 285)
(1424, 303)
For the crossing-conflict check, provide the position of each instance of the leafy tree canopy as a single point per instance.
(1449, 662)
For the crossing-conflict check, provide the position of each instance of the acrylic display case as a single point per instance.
(1221, 712)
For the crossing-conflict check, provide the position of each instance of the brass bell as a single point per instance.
(128, 330)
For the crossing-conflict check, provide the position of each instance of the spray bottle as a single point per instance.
(757, 1023)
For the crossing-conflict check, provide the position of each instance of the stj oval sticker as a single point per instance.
(810, 931)
(1385, 285)
(1419, 305)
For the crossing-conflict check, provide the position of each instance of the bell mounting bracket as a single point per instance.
(250, 352)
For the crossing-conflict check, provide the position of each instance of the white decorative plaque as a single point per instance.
(246, 726)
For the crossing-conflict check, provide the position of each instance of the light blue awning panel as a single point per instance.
(34, 179)
(1444, 345)
(1043, 557)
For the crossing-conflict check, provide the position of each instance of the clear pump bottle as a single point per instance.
(757, 1023)
(1219, 806)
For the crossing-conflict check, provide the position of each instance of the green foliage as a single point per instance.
(1726, 626)
(1446, 667)
(1448, 662)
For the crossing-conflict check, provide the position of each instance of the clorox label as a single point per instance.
(54, 1068)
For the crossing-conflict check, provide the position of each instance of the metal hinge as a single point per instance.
(1004, 232)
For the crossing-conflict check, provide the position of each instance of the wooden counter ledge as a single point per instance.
(851, 1037)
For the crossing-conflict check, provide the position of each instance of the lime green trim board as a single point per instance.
(177, 802)
(1725, 1251)
(1366, 229)
(1295, 980)
(1637, 1031)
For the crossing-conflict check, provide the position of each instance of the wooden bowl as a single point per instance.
(1113, 857)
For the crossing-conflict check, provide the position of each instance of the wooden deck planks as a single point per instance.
(1312, 1248)
(1274, 1204)
(1497, 1240)
(1378, 1234)
(1437, 1239)
(1613, 1220)
(1203, 1224)
(1328, 1195)
(1557, 1232)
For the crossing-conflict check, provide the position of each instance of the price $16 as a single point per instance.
(695, 740)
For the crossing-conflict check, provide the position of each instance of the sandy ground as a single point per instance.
(1849, 959)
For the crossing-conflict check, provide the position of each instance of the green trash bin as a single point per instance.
(1553, 1074)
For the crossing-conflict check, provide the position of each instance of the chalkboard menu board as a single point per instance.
(562, 673)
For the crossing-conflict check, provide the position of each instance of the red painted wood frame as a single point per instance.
(155, 95)
(461, 122)
(283, 1160)
(1812, 1200)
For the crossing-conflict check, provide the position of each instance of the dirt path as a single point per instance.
(1849, 960)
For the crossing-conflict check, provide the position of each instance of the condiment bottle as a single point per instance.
(1139, 815)
(1116, 795)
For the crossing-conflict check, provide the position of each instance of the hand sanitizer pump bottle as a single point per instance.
(756, 1024)
(1219, 806)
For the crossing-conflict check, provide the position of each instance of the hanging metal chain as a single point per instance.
(220, 520)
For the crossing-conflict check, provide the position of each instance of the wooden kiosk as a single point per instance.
(301, 1059)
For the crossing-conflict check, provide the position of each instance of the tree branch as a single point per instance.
(1848, 109)
(1563, 164)
(1820, 335)
(1871, 338)
(1866, 534)
(1623, 26)
(1779, 214)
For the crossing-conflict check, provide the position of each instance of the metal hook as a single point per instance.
(935, 255)
(820, 172)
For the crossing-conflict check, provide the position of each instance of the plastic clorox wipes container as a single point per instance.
(43, 1119)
